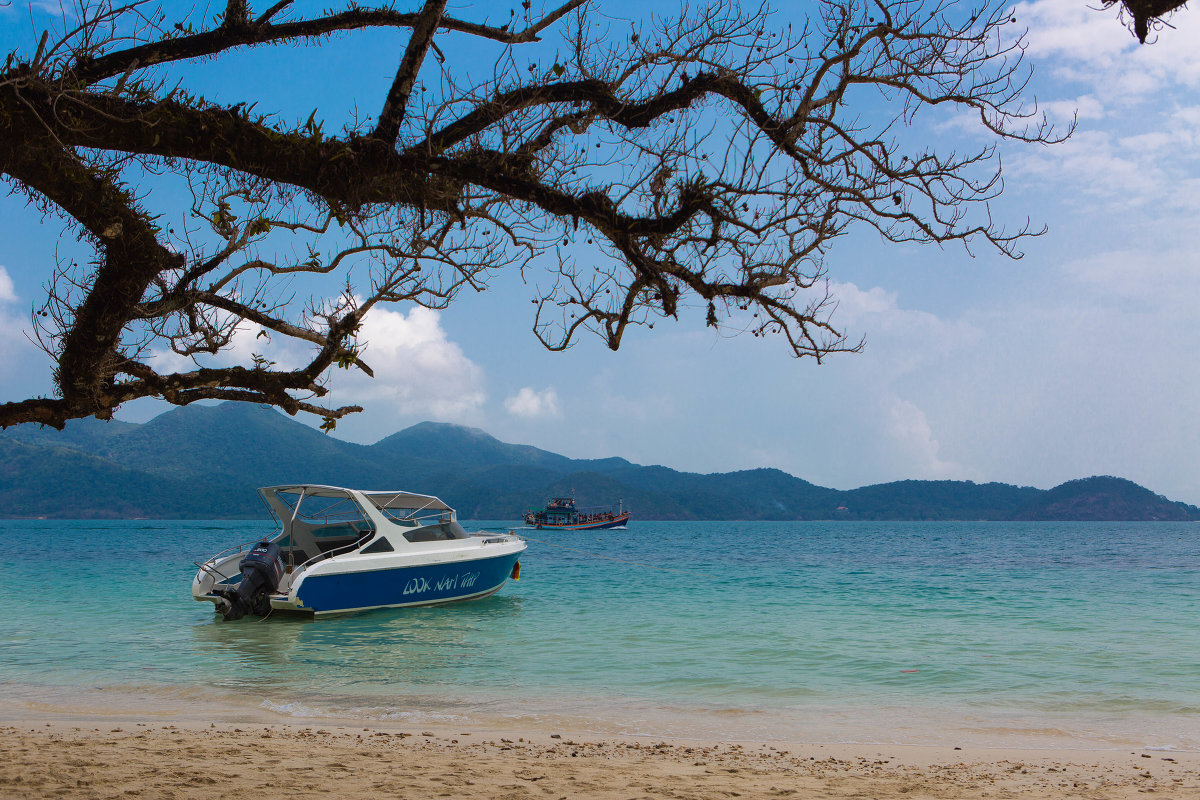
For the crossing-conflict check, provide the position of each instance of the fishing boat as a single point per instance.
(560, 514)
(340, 550)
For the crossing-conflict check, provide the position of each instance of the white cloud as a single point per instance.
(898, 339)
(865, 418)
(1162, 282)
(914, 444)
(23, 370)
(1081, 386)
(418, 370)
(1152, 168)
(285, 352)
(10, 326)
(854, 303)
(1072, 30)
(1080, 44)
(8, 293)
(1188, 116)
(1061, 112)
(1089, 162)
(533, 404)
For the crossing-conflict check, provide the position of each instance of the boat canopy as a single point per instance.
(384, 501)
(326, 519)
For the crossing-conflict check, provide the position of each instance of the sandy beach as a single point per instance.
(156, 760)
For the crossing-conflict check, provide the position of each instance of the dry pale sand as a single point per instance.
(152, 760)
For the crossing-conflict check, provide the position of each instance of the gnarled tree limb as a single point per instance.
(696, 165)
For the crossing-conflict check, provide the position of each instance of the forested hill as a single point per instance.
(204, 462)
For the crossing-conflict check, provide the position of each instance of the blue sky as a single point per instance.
(1078, 359)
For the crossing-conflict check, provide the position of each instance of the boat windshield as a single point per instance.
(415, 516)
(425, 525)
(424, 518)
(319, 523)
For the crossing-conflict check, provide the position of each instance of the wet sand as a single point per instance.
(154, 759)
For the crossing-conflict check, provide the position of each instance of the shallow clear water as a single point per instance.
(865, 631)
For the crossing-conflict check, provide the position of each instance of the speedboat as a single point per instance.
(341, 550)
(561, 514)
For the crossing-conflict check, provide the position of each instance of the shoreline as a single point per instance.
(161, 759)
(844, 724)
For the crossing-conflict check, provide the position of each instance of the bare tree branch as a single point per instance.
(388, 127)
(180, 45)
(698, 165)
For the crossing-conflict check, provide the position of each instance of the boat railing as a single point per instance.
(209, 569)
(237, 548)
(333, 551)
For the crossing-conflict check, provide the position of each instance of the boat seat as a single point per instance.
(328, 545)
(296, 556)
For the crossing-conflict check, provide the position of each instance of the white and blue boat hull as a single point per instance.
(412, 585)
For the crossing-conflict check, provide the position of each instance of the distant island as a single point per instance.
(204, 462)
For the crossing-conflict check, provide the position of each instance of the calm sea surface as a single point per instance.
(1040, 633)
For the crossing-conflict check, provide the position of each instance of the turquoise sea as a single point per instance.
(1046, 634)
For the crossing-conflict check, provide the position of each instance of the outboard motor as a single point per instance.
(261, 570)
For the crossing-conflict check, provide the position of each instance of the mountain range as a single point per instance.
(204, 462)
